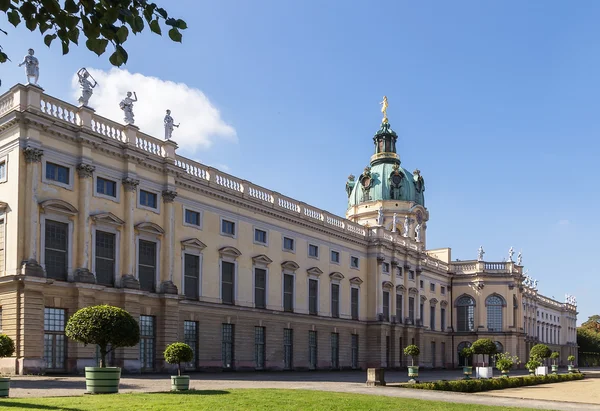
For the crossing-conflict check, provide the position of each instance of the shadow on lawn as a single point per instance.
(57, 383)
(7, 405)
(192, 392)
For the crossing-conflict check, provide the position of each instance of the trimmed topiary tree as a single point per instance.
(571, 358)
(485, 347)
(412, 351)
(103, 325)
(7, 349)
(541, 351)
(177, 353)
(554, 356)
(466, 353)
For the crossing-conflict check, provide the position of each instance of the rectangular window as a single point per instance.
(105, 258)
(2, 246)
(335, 257)
(422, 313)
(192, 276)
(190, 337)
(399, 307)
(192, 217)
(288, 348)
(106, 187)
(354, 295)
(227, 282)
(313, 251)
(385, 267)
(443, 354)
(260, 236)
(147, 342)
(312, 350)
(56, 255)
(335, 351)
(399, 272)
(354, 353)
(443, 319)
(148, 199)
(313, 297)
(335, 300)
(147, 265)
(411, 309)
(227, 346)
(259, 348)
(288, 243)
(421, 284)
(54, 339)
(400, 351)
(354, 262)
(288, 292)
(387, 351)
(432, 287)
(411, 275)
(57, 173)
(443, 290)
(386, 306)
(2, 171)
(432, 318)
(433, 354)
(260, 288)
(227, 227)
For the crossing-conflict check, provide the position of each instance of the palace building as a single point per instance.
(96, 212)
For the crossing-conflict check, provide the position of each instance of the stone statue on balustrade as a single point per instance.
(32, 67)
(169, 124)
(480, 253)
(535, 284)
(406, 227)
(394, 223)
(418, 233)
(511, 252)
(380, 216)
(86, 86)
(520, 258)
(127, 106)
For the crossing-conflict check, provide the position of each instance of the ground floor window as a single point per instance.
(400, 351)
(227, 346)
(147, 342)
(190, 337)
(387, 351)
(55, 346)
(433, 353)
(354, 359)
(288, 348)
(335, 351)
(312, 350)
(259, 348)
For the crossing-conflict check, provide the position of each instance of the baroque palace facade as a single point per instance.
(94, 212)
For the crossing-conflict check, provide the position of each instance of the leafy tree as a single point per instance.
(99, 21)
(177, 353)
(588, 340)
(592, 324)
(484, 346)
(540, 351)
(466, 353)
(103, 325)
(412, 351)
(7, 346)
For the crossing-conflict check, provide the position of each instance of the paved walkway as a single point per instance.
(575, 395)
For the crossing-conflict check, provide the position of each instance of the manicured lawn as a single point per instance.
(238, 399)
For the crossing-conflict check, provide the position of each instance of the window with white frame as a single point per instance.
(3, 173)
(58, 173)
(191, 217)
(288, 292)
(411, 275)
(106, 187)
(148, 199)
(313, 251)
(335, 300)
(56, 249)
(313, 296)
(191, 272)
(354, 262)
(2, 244)
(354, 301)
(432, 287)
(335, 256)
(227, 227)
(147, 257)
(260, 287)
(385, 267)
(260, 236)
(227, 282)
(105, 261)
(289, 244)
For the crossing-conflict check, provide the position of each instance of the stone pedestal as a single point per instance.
(129, 281)
(167, 287)
(83, 275)
(375, 377)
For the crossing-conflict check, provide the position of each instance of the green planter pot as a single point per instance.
(555, 369)
(413, 371)
(467, 371)
(102, 380)
(180, 382)
(505, 373)
(4, 386)
(571, 368)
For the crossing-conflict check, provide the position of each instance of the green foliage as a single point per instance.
(103, 325)
(588, 340)
(593, 324)
(99, 22)
(412, 351)
(505, 361)
(177, 353)
(540, 351)
(7, 346)
(533, 363)
(484, 346)
(467, 353)
(494, 383)
(571, 358)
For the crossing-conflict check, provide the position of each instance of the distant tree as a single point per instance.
(99, 21)
(588, 340)
(593, 324)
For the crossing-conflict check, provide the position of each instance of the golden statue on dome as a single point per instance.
(384, 107)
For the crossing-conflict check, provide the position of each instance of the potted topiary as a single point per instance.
(485, 347)
(541, 352)
(7, 349)
(571, 367)
(467, 353)
(505, 361)
(103, 325)
(532, 365)
(177, 353)
(412, 351)
(554, 356)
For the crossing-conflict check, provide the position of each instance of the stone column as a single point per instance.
(168, 263)
(83, 273)
(31, 265)
(129, 279)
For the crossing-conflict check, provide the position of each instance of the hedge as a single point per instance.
(492, 384)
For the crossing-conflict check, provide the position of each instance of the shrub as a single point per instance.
(540, 351)
(571, 358)
(554, 357)
(484, 346)
(412, 351)
(467, 353)
(103, 325)
(504, 361)
(533, 363)
(7, 346)
(177, 353)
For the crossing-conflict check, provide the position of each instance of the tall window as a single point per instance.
(443, 319)
(335, 300)
(432, 318)
(433, 354)
(312, 350)
(443, 354)
(56, 254)
(288, 348)
(190, 337)
(465, 313)
(400, 351)
(54, 339)
(2, 171)
(288, 292)
(335, 351)
(411, 309)
(386, 306)
(494, 304)
(1, 245)
(105, 258)
(192, 276)
(354, 354)
(399, 307)
(313, 296)
(515, 310)
(260, 288)
(259, 348)
(354, 293)
(147, 345)
(147, 265)
(422, 313)
(227, 282)
(227, 345)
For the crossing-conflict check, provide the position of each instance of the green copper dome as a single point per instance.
(384, 179)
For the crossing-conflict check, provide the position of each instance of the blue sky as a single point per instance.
(496, 102)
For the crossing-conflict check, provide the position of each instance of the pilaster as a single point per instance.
(31, 266)
(129, 278)
(167, 286)
(83, 273)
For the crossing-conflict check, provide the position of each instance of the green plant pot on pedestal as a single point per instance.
(571, 368)
(413, 371)
(4, 386)
(102, 380)
(505, 373)
(180, 382)
(467, 371)
(554, 369)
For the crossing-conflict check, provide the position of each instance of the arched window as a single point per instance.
(465, 311)
(494, 304)
(461, 346)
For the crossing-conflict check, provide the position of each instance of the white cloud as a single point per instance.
(201, 122)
